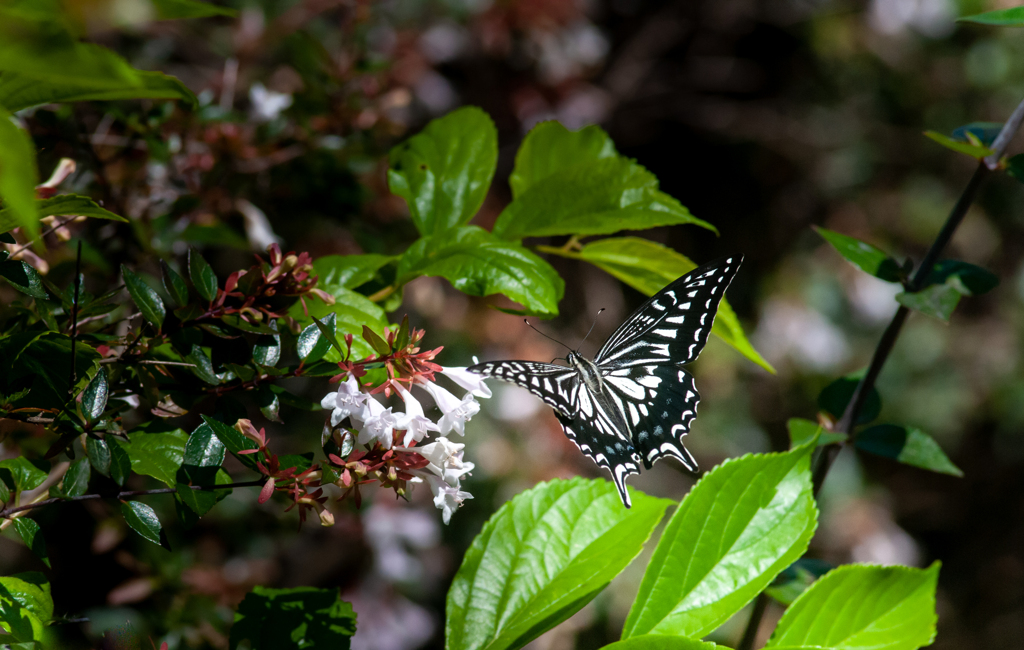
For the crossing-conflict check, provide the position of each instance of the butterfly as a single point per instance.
(633, 403)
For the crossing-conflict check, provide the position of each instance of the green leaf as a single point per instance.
(201, 465)
(1012, 17)
(379, 345)
(870, 259)
(649, 267)
(834, 398)
(23, 277)
(542, 557)
(595, 198)
(120, 462)
(98, 452)
(22, 474)
(661, 642)
(202, 365)
(550, 148)
(351, 311)
(46, 359)
(203, 277)
(983, 132)
(145, 297)
(94, 397)
(300, 617)
(144, 521)
(801, 431)
(157, 454)
(25, 608)
(311, 345)
(937, 300)
(795, 580)
(18, 91)
(174, 285)
(480, 264)
(32, 535)
(193, 504)
(233, 441)
(267, 350)
(18, 175)
(863, 607)
(270, 405)
(348, 271)
(202, 451)
(444, 172)
(178, 9)
(972, 150)
(907, 445)
(740, 526)
(1015, 167)
(76, 479)
(62, 205)
(974, 279)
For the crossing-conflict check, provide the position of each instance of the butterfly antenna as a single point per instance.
(590, 330)
(546, 336)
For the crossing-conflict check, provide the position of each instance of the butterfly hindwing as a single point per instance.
(660, 403)
(673, 326)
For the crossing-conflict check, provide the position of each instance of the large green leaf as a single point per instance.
(62, 205)
(550, 148)
(26, 607)
(648, 267)
(22, 474)
(542, 557)
(351, 310)
(300, 617)
(480, 264)
(348, 271)
(740, 526)
(157, 454)
(906, 445)
(858, 607)
(443, 172)
(661, 642)
(18, 175)
(868, 258)
(595, 198)
(18, 92)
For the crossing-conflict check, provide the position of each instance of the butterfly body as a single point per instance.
(633, 403)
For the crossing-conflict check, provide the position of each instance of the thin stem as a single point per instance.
(59, 224)
(754, 624)
(383, 293)
(126, 494)
(74, 318)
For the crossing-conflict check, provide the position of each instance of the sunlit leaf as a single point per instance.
(870, 259)
(18, 175)
(661, 642)
(801, 431)
(157, 454)
(907, 445)
(22, 474)
(144, 521)
(1011, 17)
(972, 150)
(348, 271)
(94, 397)
(550, 148)
(32, 535)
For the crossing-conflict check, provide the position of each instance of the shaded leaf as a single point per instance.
(541, 558)
(19, 91)
(649, 267)
(801, 431)
(868, 258)
(795, 580)
(1012, 17)
(907, 445)
(233, 441)
(834, 398)
(740, 526)
(311, 345)
(25, 608)
(203, 277)
(883, 608)
(32, 535)
(120, 462)
(22, 474)
(300, 617)
(937, 300)
(974, 279)
(270, 405)
(145, 297)
(443, 172)
(202, 365)
(348, 271)
(267, 350)
(98, 452)
(46, 360)
(351, 310)
(1015, 167)
(479, 264)
(23, 277)
(595, 198)
(983, 132)
(174, 285)
(178, 9)
(62, 205)
(144, 521)
(18, 175)
(76, 479)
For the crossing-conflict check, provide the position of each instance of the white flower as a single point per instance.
(267, 104)
(380, 425)
(445, 459)
(470, 381)
(348, 400)
(415, 423)
(456, 412)
(447, 498)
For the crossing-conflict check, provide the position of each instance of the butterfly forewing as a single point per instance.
(673, 326)
(558, 386)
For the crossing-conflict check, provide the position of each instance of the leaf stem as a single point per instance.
(382, 294)
(754, 624)
(4, 514)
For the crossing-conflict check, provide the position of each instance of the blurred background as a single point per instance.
(762, 117)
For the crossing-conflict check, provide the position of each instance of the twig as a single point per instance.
(74, 318)
(59, 224)
(151, 362)
(126, 494)
(754, 624)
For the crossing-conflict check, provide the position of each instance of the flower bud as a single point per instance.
(326, 518)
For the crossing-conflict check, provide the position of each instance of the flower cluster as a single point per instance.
(393, 453)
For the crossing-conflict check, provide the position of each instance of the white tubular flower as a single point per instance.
(348, 400)
(456, 412)
(380, 425)
(415, 423)
(447, 498)
(445, 459)
(470, 381)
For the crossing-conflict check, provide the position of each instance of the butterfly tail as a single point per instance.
(619, 475)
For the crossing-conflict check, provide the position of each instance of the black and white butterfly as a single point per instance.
(634, 402)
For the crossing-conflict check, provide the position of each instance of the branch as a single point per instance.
(126, 494)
